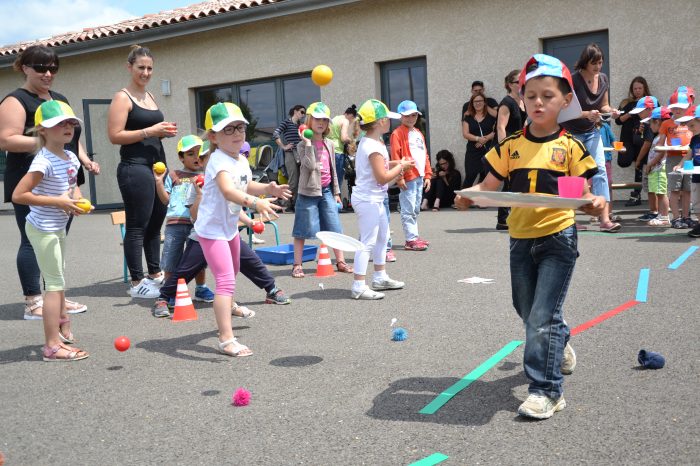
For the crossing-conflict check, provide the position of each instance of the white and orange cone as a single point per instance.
(184, 309)
(325, 267)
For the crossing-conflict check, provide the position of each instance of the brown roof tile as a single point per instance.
(163, 18)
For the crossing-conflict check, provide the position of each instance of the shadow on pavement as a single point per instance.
(21, 354)
(183, 347)
(474, 406)
(296, 361)
(324, 295)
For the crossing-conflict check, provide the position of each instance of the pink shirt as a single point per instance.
(325, 163)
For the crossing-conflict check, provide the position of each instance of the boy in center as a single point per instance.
(543, 243)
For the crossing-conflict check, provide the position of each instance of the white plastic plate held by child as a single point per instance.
(339, 241)
(507, 199)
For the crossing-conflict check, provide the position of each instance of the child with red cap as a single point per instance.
(543, 244)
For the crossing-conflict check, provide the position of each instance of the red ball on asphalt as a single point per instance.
(122, 343)
(258, 227)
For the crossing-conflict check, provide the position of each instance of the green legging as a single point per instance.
(49, 248)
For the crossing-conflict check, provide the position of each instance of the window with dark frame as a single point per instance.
(406, 80)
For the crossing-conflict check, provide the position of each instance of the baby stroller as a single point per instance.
(262, 169)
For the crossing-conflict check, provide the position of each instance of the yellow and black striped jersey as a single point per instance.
(533, 165)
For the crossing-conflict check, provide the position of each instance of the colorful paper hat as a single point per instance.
(221, 114)
(544, 65)
(373, 110)
(188, 142)
(659, 113)
(649, 102)
(687, 90)
(679, 100)
(204, 150)
(319, 110)
(408, 107)
(52, 112)
(690, 114)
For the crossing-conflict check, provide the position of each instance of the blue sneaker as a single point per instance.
(204, 294)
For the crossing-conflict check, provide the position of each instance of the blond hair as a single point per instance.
(307, 122)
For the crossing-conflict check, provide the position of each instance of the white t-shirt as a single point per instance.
(366, 186)
(60, 176)
(417, 147)
(661, 166)
(217, 218)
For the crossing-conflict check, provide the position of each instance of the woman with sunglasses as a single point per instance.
(137, 125)
(39, 64)
(478, 130)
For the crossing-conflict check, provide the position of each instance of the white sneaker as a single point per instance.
(146, 288)
(257, 240)
(568, 362)
(367, 293)
(157, 280)
(387, 284)
(541, 407)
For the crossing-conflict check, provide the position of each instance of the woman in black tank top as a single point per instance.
(39, 65)
(136, 124)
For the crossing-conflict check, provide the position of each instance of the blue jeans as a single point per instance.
(410, 199)
(173, 245)
(316, 213)
(594, 145)
(340, 169)
(540, 272)
(389, 243)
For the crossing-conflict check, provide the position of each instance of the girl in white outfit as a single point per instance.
(374, 171)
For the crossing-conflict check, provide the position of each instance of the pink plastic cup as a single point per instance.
(571, 186)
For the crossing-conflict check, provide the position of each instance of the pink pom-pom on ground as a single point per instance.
(241, 397)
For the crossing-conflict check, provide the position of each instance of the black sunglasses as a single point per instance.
(41, 69)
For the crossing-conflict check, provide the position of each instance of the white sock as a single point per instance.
(358, 285)
(379, 275)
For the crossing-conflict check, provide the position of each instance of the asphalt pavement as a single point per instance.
(328, 385)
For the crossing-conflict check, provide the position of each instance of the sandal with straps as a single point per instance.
(69, 339)
(50, 354)
(297, 271)
(343, 267)
(237, 348)
(242, 311)
(31, 306)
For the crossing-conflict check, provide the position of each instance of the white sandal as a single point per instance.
(237, 348)
(245, 313)
(33, 305)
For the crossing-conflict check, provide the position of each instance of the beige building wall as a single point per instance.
(462, 40)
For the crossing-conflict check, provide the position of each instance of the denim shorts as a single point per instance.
(173, 246)
(316, 213)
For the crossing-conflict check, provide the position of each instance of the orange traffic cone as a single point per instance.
(325, 268)
(184, 310)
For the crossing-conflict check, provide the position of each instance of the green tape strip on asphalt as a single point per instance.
(444, 397)
(435, 458)
(602, 233)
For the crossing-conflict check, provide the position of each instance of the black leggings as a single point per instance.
(145, 214)
(473, 168)
(193, 262)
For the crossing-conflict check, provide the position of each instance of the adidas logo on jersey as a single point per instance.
(515, 155)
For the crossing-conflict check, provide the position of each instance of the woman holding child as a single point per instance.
(137, 125)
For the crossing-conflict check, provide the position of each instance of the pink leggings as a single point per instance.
(224, 258)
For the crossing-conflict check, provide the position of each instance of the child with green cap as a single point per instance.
(172, 188)
(50, 189)
(374, 171)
